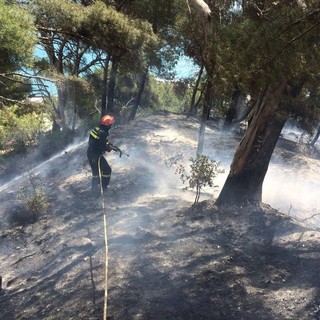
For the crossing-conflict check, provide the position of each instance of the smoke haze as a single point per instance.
(154, 144)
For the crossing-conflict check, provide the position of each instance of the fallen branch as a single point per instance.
(22, 258)
(314, 215)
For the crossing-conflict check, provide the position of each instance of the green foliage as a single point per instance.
(17, 42)
(158, 95)
(202, 173)
(118, 35)
(81, 95)
(167, 95)
(14, 87)
(85, 35)
(97, 26)
(61, 15)
(250, 49)
(17, 37)
(162, 15)
(17, 131)
(33, 200)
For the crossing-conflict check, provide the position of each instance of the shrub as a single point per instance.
(17, 132)
(33, 202)
(203, 172)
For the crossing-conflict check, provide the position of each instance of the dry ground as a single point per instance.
(167, 259)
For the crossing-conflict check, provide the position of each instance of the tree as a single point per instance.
(161, 15)
(18, 39)
(70, 32)
(193, 103)
(247, 50)
(251, 160)
(280, 82)
(201, 45)
(126, 40)
(19, 119)
(58, 23)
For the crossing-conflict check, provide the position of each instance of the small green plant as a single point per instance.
(203, 172)
(33, 199)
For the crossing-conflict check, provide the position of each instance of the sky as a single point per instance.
(185, 68)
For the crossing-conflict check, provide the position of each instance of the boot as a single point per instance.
(95, 186)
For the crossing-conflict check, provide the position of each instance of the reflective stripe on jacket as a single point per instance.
(98, 142)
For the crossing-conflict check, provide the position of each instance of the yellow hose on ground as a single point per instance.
(106, 243)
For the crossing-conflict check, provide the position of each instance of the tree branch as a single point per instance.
(24, 75)
(204, 13)
(60, 31)
(289, 43)
(314, 215)
(6, 76)
(14, 101)
(87, 66)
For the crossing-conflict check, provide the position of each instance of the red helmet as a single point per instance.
(107, 120)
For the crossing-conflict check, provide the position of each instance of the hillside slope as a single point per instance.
(167, 258)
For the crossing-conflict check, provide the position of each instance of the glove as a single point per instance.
(109, 147)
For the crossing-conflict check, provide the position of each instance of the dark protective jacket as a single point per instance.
(98, 142)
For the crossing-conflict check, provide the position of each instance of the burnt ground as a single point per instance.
(167, 259)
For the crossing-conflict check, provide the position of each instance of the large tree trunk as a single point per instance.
(251, 160)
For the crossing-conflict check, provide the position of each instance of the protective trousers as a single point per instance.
(101, 165)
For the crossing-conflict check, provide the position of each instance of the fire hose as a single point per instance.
(105, 242)
(115, 148)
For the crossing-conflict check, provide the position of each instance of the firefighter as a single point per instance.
(98, 145)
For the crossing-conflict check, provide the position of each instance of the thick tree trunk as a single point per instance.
(142, 84)
(251, 160)
(112, 86)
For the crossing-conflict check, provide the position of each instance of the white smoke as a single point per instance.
(290, 185)
(291, 190)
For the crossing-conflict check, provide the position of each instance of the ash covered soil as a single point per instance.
(167, 258)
